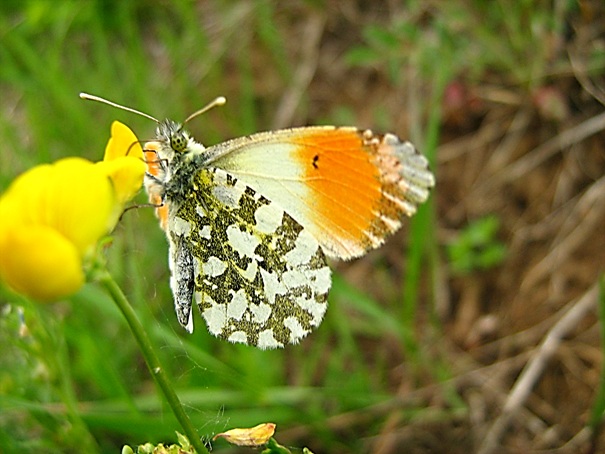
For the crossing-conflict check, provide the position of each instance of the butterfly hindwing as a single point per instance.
(257, 275)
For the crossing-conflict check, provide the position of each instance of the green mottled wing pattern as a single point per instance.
(257, 276)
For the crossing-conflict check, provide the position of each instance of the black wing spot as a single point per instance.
(315, 160)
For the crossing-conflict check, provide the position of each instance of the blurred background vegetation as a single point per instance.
(475, 329)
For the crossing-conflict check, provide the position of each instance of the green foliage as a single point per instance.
(477, 247)
(183, 447)
(515, 40)
(273, 447)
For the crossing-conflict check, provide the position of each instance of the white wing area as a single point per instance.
(269, 164)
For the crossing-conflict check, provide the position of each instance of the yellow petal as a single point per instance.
(81, 202)
(72, 196)
(122, 143)
(20, 202)
(38, 262)
(126, 174)
(123, 162)
(254, 436)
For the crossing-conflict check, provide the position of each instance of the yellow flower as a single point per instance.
(54, 214)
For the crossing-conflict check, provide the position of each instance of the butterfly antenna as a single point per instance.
(119, 106)
(221, 100)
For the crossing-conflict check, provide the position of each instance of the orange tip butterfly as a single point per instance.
(251, 221)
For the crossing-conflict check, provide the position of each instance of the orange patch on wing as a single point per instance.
(161, 212)
(343, 178)
(153, 168)
(152, 158)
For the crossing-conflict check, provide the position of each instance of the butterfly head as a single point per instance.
(172, 135)
(179, 140)
(175, 143)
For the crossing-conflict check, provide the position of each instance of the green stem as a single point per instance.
(153, 363)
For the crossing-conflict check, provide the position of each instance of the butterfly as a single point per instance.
(250, 222)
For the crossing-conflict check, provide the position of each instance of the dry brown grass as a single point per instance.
(522, 339)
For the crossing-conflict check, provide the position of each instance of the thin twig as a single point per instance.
(563, 140)
(304, 72)
(536, 366)
(587, 215)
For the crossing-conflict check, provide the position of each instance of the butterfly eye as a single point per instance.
(178, 141)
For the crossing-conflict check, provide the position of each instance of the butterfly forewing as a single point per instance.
(349, 188)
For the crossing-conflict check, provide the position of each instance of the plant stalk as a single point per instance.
(153, 362)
